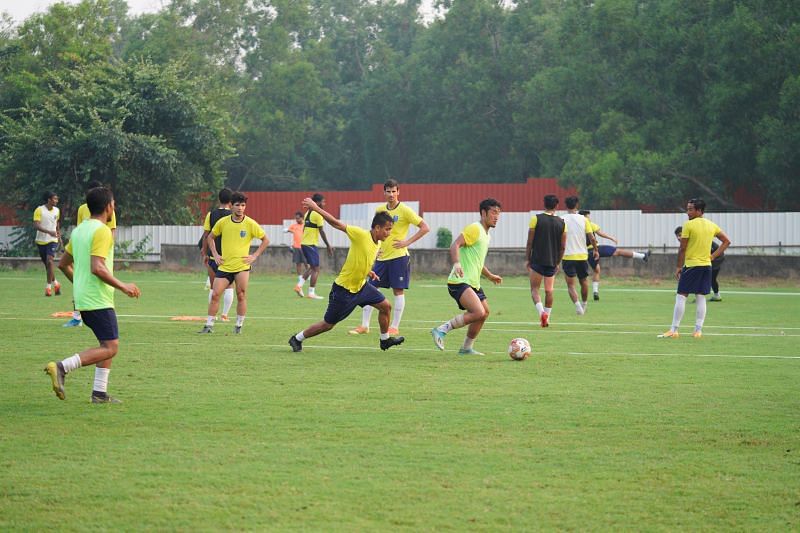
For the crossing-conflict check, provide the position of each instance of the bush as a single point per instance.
(444, 238)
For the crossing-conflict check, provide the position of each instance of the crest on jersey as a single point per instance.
(243, 234)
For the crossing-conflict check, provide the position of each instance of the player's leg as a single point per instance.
(596, 280)
(549, 286)
(221, 282)
(480, 307)
(631, 254)
(242, 279)
(379, 267)
(341, 303)
(715, 285)
(399, 279)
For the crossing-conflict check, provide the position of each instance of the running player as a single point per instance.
(547, 238)
(47, 222)
(88, 262)
(694, 265)
(350, 289)
(468, 254)
(393, 266)
(312, 231)
(233, 266)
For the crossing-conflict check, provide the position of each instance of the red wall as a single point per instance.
(274, 207)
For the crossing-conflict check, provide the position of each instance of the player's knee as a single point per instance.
(111, 347)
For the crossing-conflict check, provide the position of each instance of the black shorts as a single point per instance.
(457, 289)
(230, 276)
(544, 270)
(47, 250)
(574, 268)
(393, 273)
(214, 266)
(591, 260)
(102, 322)
(297, 256)
(311, 254)
(341, 302)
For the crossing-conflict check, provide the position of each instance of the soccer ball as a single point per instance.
(519, 349)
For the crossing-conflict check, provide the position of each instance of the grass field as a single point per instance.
(605, 427)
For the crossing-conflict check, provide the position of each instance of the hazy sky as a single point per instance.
(22, 9)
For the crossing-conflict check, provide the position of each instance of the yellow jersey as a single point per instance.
(700, 232)
(313, 223)
(403, 217)
(236, 238)
(360, 259)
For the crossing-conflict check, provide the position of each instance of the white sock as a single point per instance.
(210, 320)
(227, 300)
(578, 306)
(101, 379)
(76, 315)
(700, 313)
(677, 314)
(312, 290)
(468, 343)
(71, 363)
(49, 286)
(301, 282)
(239, 320)
(300, 337)
(584, 304)
(366, 314)
(397, 312)
(638, 255)
(595, 286)
(454, 323)
(384, 336)
(540, 308)
(548, 310)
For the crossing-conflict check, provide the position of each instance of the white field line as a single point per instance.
(605, 289)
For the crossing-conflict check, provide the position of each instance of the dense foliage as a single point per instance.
(632, 101)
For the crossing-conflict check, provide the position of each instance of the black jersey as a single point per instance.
(546, 247)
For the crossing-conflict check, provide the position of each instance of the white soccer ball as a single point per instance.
(519, 349)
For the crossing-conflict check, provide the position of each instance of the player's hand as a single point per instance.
(596, 254)
(494, 278)
(308, 203)
(131, 290)
(373, 276)
(458, 271)
(399, 244)
(250, 259)
(330, 251)
(678, 273)
(218, 260)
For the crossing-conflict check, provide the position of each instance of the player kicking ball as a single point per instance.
(350, 288)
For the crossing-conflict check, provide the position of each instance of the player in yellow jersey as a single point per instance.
(350, 289)
(47, 222)
(393, 265)
(694, 265)
(312, 231)
(233, 266)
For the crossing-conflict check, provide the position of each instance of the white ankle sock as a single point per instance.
(540, 308)
(638, 255)
(300, 337)
(227, 300)
(366, 315)
(700, 313)
(101, 379)
(677, 313)
(595, 286)
(397, 312)
(240, 320)
(71, 363)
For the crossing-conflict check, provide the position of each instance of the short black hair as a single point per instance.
(698, 204)
(225, 195)
(584, 212)
(381, 218)
(47, 195)
(571, 202)
(238, 198)
(97, 199)
(550, 201)
(298, 213)
(487, 204)
(93, 185)
(390, 183)
(678, 231)
(317, 197)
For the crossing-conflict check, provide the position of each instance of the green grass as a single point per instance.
(605, 427)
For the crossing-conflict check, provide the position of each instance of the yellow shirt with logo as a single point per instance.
(84, 213)
(236, 238)
(700, 232)
(403, 217)
(360, 259)
(311, 234)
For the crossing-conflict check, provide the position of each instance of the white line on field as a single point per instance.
(691, 355)
(727, 291)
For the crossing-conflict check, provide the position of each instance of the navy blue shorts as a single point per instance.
(297, 256)
(574, 268)
(311, 255)
(457, 289)
(341, 302)
(695, 280)
(47, 250)
(394, 273)
(214, 266)
(592, 263)
(102, 322)
(546, 271)
(606, 250)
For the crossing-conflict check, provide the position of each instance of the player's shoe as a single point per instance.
(469, 351)
(715, 298)
(391, 341)
(48, 291)
(314, 296)
(697, 334)
(646, 257)
(393, 332)
(596, 296)
(223, 318)
(102, 397)
(438, 338)
(206, 329)
(359, 330)
(56, 373)
(544, 319)
(57, 288)
(580, 311)
(669, 335)
(237, 330)
(72, 323)
(297, 346)
(298, 290)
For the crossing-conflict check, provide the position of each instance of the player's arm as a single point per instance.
(494, 278)
(724, 243)
(681, 256)
(100, 270)
(206, 231)
(212, 245)
(250, 259)
(422, 230)
(455, 254)
(529, 245)
(563, 245)
(330, 219)
(65, 265)
(593, 240)
(325, 239)
(606, 236)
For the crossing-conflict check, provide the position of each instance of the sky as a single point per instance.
(22, 9)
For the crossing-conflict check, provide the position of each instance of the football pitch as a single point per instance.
(604, 427)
